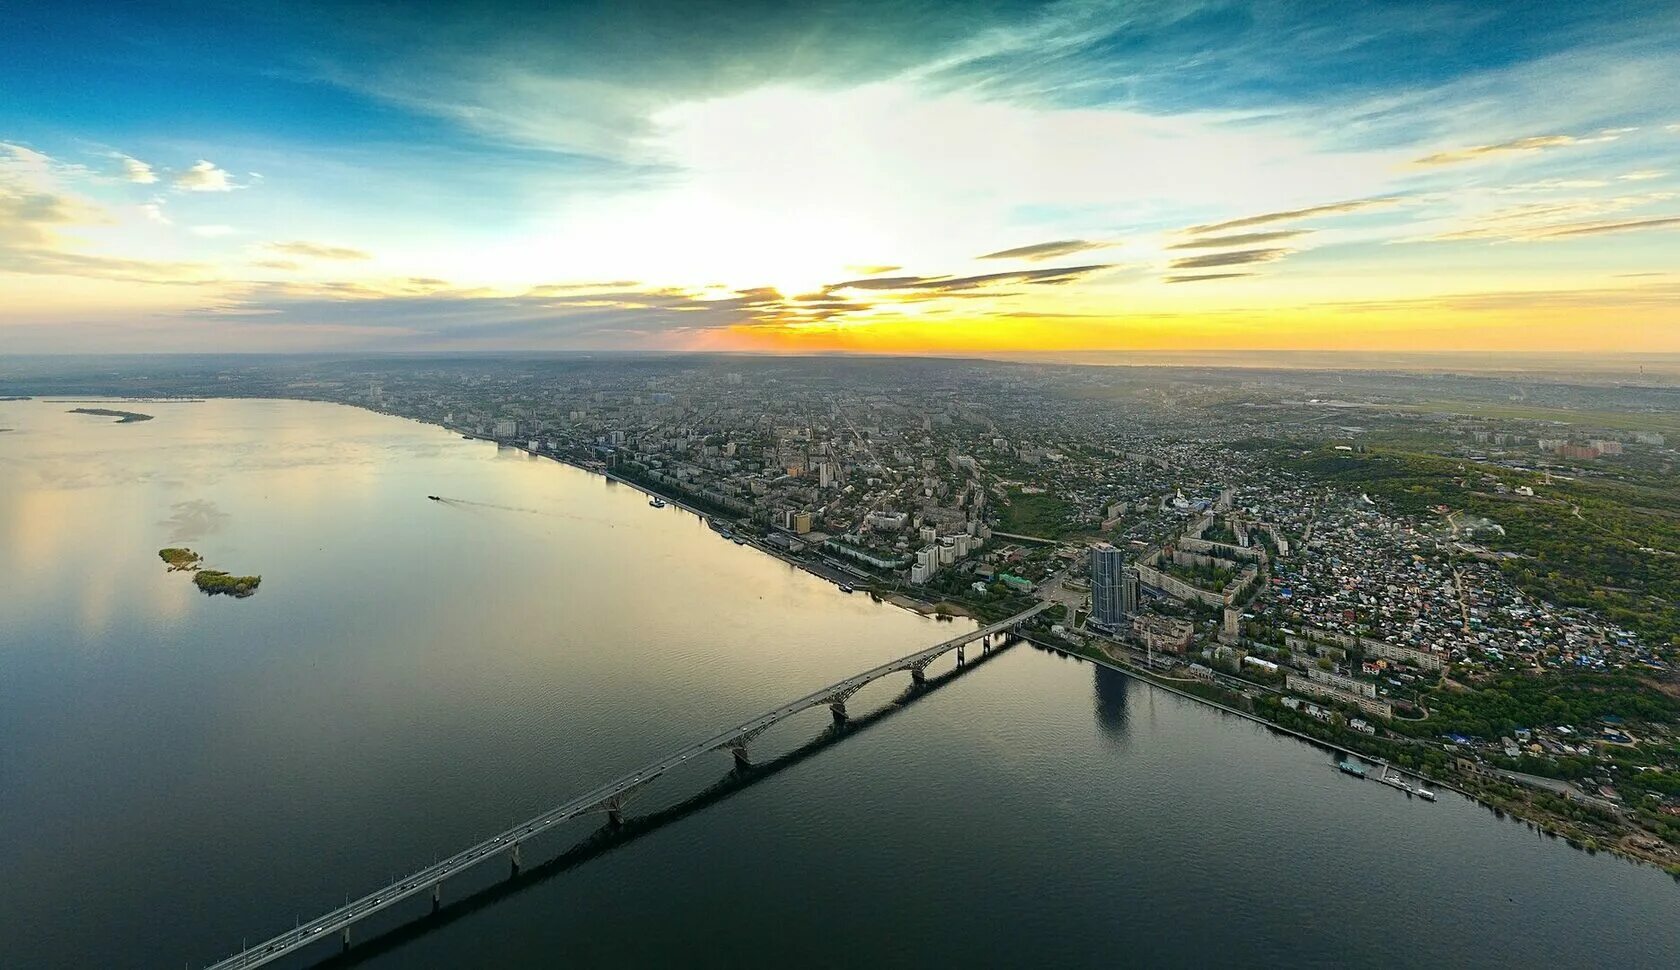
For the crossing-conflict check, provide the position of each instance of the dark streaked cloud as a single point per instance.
(418, 309)
(1056, 274)
(1332, 209)
(1046, 250)
(1239, 239)
(1241, 257)
(317, 250)
(1601, 228)
(1203, 277)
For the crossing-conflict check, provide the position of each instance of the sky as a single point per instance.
(979, 177)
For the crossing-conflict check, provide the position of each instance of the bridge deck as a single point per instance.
(423, 880)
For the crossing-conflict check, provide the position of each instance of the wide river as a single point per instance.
(180, 773)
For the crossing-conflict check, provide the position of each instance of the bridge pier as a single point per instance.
(743, 761)
(437, 896)
(838, 709)
(514, 859)
(918, 674)
(347, 939)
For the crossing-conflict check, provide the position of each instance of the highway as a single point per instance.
(605, 796)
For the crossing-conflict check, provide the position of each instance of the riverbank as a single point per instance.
(1582, 826)
(943, 608)
(1629, 847)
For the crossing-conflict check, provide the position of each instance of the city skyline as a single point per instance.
(903, 178)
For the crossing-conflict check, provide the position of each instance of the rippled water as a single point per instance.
(179, 772)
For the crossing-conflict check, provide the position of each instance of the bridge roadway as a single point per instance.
(608, 797)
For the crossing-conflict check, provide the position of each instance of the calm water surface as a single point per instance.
(179, 772)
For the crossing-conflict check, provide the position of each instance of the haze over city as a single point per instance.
(957, 178)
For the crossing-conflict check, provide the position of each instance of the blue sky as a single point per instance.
(437, 175)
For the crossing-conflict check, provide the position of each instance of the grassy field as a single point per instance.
(1036, 515)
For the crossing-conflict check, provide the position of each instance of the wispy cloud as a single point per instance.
(65, 263)
(136, 171)
(204, 176)
(1550, 220)
(1532, 143)
(1205, 277)
(1240, 257)
(1601, 228)
(1330, 209)
(1551, 185)
(1056, 274)
(1046, 250)
(1239, 239)
(313, 250)
(1642, 175)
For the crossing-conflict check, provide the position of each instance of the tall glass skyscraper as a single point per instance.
(1108, 587)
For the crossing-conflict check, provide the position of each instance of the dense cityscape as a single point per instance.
(1239, 535)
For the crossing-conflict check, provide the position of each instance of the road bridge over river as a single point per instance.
(609, 798)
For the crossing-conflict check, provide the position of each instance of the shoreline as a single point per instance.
(1155, 681)
(896, 598)
(905, 602)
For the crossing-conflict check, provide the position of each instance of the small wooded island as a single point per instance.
(178, 558)
(214, 582)
(123, 417)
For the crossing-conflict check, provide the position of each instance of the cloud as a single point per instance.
(1047, 250)
(204, 176)
(136, 171)
(421, 312)
(279, 264)
(1549, 220)
(213, 232)
(1601, 228)
(1331, 209)
(317, 250)
(32, 204)
(1552, 185)
(1239, 239)
(1203, 277)
(1058, 274)
(154, 213)
(26, 217)
(34, 207)
(1643, 175)
(1239, 258)
(871, 270)
(1533, 143)
(53, 262)
(556, 289)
